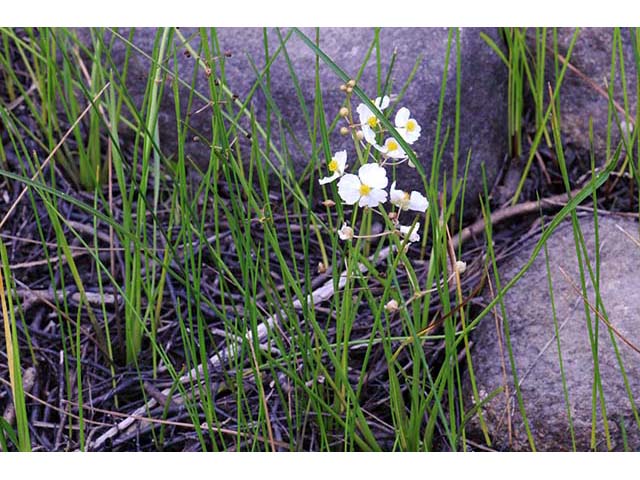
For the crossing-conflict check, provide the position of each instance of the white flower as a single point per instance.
(336, 166)
(391, 149)
(366, 188)
(346, 232)
(407, 127)
(411, 232)
(367, 117)
(405, 201)
(368, 120)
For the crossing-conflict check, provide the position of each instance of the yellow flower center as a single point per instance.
(364, 190)
(405, 197)
(391, 146)
(333, 165)
(411, 125)
(372, 121)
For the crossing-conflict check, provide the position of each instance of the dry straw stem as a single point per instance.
(506, 213)
(8, 338)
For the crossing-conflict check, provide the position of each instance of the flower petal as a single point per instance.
(364, 113)
(341, 158)
(349, 188)
(380, 148)
(418, 202)
(325, 180)
(413, 234)
(373, 175)
(396, 196)
(394, 192)
(410, 137)
(402, 116)
(382, 103)
(375, 198)
(392, 149)
(369, 135)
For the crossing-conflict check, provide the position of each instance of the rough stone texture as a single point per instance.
(580, 101)
(484, 88)
(531, 326)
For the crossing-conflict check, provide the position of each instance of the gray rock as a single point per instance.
(530, 319)
(483, 89)
(579, 99)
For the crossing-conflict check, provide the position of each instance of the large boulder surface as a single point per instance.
(530, 318)
(584, 91)
(483, 89)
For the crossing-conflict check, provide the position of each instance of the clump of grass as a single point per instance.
(234, 293)
(162, 251)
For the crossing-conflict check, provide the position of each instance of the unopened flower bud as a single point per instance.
(627, 128)
(343, 88)
(322, 268)
(329, 203)
(391, 306)
(344, 111)
(349, 89)
(344, 131)
(393, 216)
(461, 266)
(346, 232)
(351, 83)
(360, 135)
(410, 163)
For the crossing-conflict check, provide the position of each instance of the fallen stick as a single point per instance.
(506, 213)
(30, 297)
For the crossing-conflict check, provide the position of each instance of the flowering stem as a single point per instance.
(366, 224)
(376, 235)
(393, 164)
